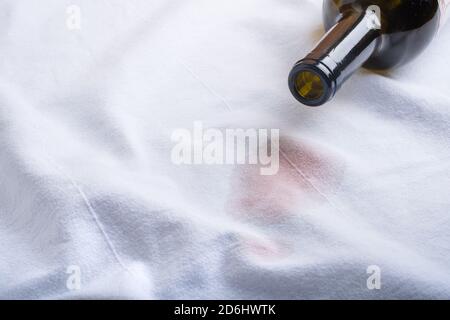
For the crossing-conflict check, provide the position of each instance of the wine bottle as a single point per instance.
(375, 34)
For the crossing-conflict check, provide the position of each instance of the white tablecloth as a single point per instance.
(88, 188)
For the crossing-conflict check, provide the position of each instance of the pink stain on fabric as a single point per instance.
(304, 172)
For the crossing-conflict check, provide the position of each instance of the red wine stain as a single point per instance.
(265, 249)
(306, 172)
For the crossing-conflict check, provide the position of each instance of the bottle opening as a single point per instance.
(309, 85)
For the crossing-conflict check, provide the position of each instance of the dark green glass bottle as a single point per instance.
(376, 34)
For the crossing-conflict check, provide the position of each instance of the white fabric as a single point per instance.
(86, 118)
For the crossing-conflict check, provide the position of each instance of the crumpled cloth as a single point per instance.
(87, 182)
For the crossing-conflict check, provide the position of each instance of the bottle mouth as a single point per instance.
(311, 83)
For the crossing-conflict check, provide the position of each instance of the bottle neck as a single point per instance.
(344, 49)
